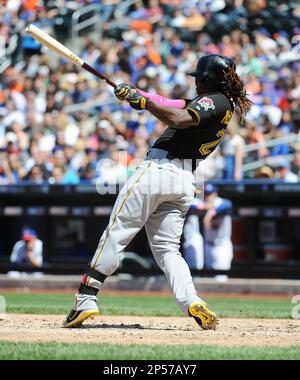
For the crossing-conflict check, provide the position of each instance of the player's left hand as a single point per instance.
(127, 92)
(136, 100)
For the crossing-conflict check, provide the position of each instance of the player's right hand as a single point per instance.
(123, 90)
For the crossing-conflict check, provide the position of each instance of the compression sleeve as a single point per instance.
(158, 99)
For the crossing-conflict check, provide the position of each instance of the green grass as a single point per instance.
(147, 305)
(123, 304)
(66, 351)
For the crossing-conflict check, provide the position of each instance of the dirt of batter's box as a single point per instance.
(151, 330)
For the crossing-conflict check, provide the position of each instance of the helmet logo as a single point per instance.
(206, 103)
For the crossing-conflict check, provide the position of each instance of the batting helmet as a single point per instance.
(210, 68)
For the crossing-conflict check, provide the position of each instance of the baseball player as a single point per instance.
(193, 245)
(217, 225)
(217, 230)
(159, 193)
(29, 250)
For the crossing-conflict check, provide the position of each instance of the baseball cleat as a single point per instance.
(77, 317)
(205, 318)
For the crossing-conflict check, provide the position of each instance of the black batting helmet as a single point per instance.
(210, 69)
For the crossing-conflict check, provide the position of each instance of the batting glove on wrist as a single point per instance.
(137, 101)
(123, 90)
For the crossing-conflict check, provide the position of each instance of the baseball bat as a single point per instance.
(63, 51)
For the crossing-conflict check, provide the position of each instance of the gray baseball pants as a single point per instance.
(157, 196)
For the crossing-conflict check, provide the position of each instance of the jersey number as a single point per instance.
(226, 118)
(205, 149)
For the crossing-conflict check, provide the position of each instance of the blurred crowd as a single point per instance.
(61, 125)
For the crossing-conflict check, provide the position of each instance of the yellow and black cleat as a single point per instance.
(205, 318)
(77, 317)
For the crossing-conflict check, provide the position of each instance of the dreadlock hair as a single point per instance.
(235, 90)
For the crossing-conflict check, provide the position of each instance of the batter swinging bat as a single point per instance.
(64, 52)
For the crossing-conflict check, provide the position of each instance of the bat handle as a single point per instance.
(93, 71)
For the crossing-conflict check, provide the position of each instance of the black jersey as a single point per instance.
(212, 112)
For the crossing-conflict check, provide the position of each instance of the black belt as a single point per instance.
(171, 156)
